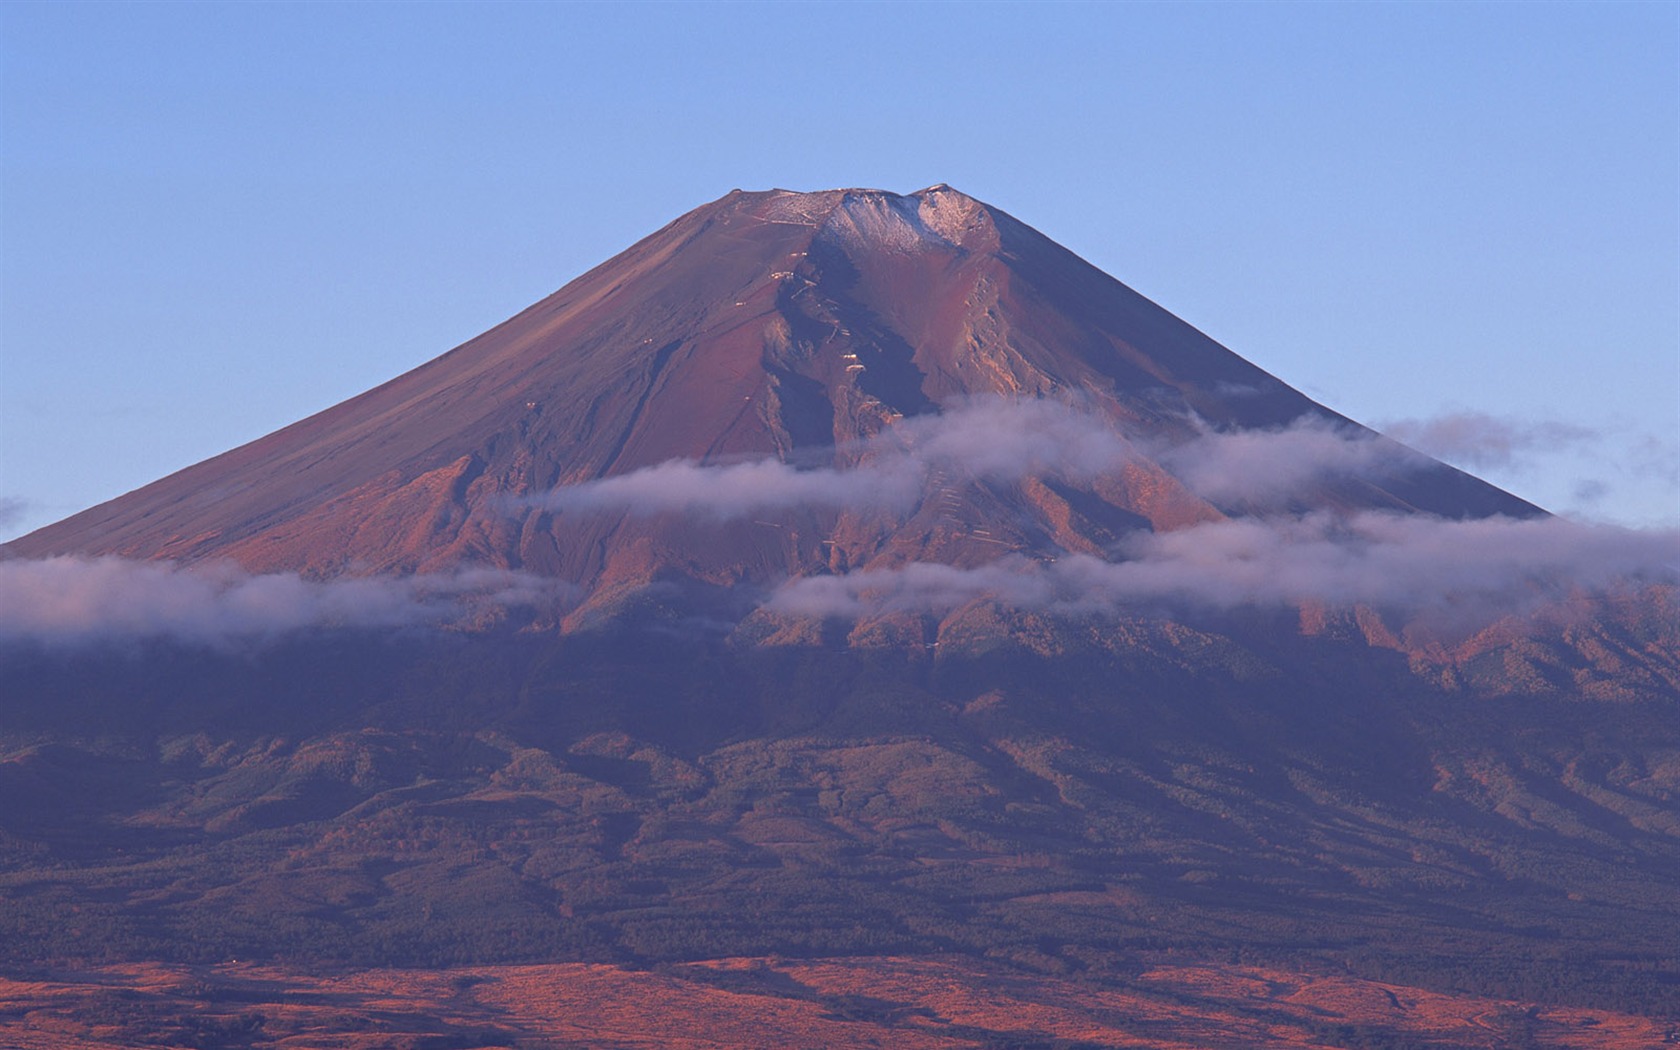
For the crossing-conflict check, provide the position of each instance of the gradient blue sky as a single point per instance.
(218, 218)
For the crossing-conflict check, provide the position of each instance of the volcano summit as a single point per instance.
(850, 574)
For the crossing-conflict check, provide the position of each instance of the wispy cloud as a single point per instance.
(1270, 466)
(1477, 439)
(1001, 440)
(1591, 468)
(1412, 564)
(994, 439)
(66, 600)
(737, 490)
(1655, 459)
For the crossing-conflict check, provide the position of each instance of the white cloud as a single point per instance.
(1610, 469)
(1270, 466)
(1413, 564)
(1480, 440)
(1000, 440)
(70, 599)
(994, 439)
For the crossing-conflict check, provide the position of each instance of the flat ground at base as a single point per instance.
(851, 1002)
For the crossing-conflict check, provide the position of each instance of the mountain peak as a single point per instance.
(861, 218)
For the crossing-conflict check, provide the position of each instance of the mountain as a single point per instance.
(777, 324)
(930, 613)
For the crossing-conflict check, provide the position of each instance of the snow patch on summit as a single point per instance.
(878, 221)
(937, 217)
(955, 216)
(807, 209)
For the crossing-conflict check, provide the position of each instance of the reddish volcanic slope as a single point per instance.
(763, 324)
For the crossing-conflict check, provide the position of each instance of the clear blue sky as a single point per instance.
(218, 218)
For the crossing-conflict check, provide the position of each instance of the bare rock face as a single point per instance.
(796, 327)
